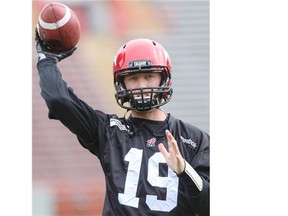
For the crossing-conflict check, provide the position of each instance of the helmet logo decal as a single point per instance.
(139, 63)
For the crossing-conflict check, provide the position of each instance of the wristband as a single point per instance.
(189, 170)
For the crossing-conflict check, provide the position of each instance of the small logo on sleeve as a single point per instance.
(189, 142)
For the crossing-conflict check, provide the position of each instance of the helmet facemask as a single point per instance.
(143, 99)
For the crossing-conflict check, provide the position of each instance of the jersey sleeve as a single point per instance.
(194, 145)
(200, 164)
(65, 106)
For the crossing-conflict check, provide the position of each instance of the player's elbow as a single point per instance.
(58, 104)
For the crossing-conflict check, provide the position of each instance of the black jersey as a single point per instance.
(138, 180)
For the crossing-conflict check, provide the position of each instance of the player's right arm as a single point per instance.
(63, 104)
(61, 101)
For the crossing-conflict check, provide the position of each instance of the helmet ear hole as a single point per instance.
(163, 80)
(121, 83)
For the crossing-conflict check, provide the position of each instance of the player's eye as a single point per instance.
(148, 76)
(133, 78)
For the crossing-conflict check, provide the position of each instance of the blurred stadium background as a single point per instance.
(67, 179)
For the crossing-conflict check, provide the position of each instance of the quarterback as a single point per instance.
(154, 163)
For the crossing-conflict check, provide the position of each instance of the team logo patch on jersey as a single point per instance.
(151, 142)
(116, 122)
(189, 142)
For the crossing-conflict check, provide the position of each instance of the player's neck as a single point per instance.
(154, 114)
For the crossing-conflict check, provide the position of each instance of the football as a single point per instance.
(58, 27)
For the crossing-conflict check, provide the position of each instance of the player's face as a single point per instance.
(142, 80)
(143, 89)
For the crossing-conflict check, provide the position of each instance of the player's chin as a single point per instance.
(144, 111)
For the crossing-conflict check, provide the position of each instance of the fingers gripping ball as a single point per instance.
(58, 27)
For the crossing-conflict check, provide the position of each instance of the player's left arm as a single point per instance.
(177, 163)
(197, 181)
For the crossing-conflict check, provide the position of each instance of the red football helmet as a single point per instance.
(136, 56)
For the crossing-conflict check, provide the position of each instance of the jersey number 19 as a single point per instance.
(170, 182)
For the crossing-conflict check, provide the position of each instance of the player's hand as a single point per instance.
(44, 52)
(173, 156)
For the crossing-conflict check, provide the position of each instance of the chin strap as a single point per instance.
(127, 125)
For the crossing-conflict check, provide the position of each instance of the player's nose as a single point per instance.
(143, 83)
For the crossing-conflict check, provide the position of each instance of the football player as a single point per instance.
(154, 163)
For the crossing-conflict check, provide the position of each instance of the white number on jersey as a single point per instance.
(170, 182)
